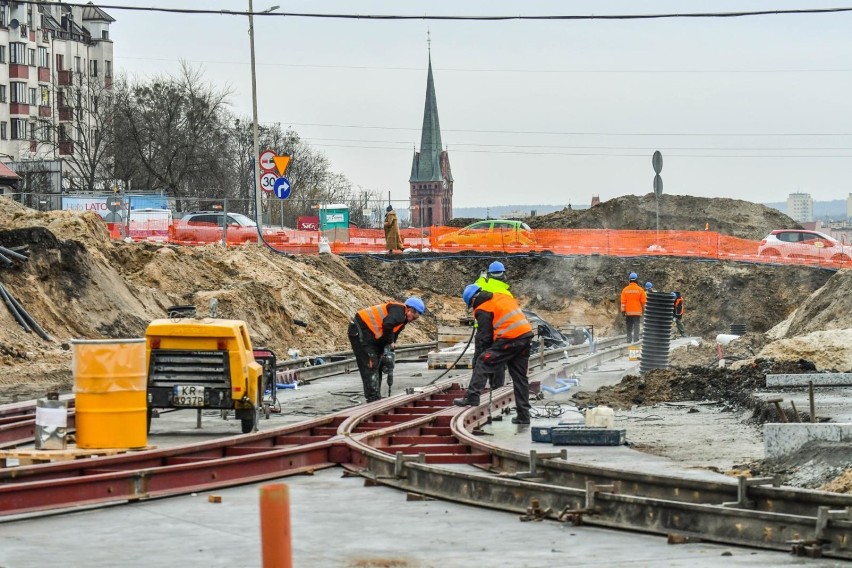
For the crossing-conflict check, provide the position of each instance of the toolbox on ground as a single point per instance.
(578, 435)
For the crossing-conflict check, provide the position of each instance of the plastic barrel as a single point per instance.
(110, 384)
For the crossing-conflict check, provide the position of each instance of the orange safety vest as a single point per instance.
(633, 299)
(509, 321)
(678, 307)
(375, 315)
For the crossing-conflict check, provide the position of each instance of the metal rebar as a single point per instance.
(795, 411)
(811, 400)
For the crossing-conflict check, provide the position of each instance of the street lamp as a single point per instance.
(256, 141)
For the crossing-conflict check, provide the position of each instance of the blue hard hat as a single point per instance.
(648, 285)
(633, 276)
(469, 292)
(496, 266)
(416, 303)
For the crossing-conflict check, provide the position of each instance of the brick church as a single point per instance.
(431, 182)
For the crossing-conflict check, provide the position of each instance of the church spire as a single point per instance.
(429, 167)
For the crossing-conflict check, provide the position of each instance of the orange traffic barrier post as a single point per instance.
(275, 535)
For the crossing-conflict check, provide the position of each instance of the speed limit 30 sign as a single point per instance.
(267, 181)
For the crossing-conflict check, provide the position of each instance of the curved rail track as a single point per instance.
(407, 442)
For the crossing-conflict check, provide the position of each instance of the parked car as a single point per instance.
(796, 243)
(493, 232)
(206, 226)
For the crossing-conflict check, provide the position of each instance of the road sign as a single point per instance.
(114, 203)
(267, 181)
(657, 162)
(281, 163)
(658, 186)
(282, 188)
(267, 160)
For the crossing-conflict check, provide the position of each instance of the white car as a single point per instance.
(796, 243)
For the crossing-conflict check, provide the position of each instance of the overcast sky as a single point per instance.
(538, 112)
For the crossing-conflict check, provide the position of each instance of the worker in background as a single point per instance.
(494, 281)
(375, 329)
(678, 314)
(503, 337)
(649, 287)
(393, 240)
(633, 300)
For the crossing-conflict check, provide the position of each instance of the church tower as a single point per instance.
(431, 182)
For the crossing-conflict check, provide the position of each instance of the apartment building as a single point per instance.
(800, 207)
(48, 54)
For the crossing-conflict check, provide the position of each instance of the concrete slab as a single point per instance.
(802, 380)
(782, 440)
(337, 522)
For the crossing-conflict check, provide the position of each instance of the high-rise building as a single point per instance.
(431, 182)
(800, 207)
(849, 208)
(56, 62)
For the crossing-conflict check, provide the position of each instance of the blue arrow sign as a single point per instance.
(282, 188)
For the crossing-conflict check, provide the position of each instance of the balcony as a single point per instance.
(64, 78)
(66, 114)
(44, 111)
(19, 108)
(66, 147)
(44, 75)
(18, 71)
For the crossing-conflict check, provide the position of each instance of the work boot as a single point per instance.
(466, 401)
(520, 420)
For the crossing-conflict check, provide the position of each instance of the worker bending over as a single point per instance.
(503, 337)
(494, 281)
(633, 300)
(375, 329)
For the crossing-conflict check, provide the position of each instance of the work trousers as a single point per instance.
(367, 354)
(512, 354)
(632, 328)
(498, 379)
(681, 329)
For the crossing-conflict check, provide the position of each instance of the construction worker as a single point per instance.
(503, 337)
(494, 281)
(649, 287)
(375, 329)
(633, 300)
(678, 314)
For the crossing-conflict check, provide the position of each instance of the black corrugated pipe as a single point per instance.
(657, 331)
(13, 254)
(5, 259)
(29, 319)
(7, 299)
(738, 329)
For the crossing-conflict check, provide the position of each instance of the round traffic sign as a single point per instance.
(267, 181)
(658, 186)
(114, 203)
(282, 188)
(657, 162)
(267, 160)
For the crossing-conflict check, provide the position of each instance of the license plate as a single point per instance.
(188, 395)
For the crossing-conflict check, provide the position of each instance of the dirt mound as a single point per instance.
(677, 212)
(733, 387)
(829, 307)
(706, 353)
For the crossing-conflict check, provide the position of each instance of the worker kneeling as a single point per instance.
(503, 336)
(374, 330)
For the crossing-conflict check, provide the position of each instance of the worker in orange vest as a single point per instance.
(372, 332)
(503, 337)
(633, 300)
(678, 314)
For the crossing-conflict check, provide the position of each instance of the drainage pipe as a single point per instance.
(7, 299)
(9, 252)
(5, 259)
(26, 315)
(657, 331)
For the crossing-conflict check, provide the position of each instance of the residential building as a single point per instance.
(849, 208)
(431, 181)
(50, 57)
(800, 207)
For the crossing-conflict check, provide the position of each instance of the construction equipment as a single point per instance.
(386, 365)
(203, 363)
(269, 397)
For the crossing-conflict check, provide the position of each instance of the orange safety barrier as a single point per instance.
(611, 242)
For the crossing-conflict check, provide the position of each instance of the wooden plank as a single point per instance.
(32, 456)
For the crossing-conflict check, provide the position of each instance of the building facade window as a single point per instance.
(105, 35)
(3, 128)
(2, 93)
(33, 97)
(17, 53)
(32, 127)
(78, 65)
(45, 95)
(19, 129)
(43, 57)
(18, 92)
(31, 57)
(44, 130)
(107, 68)
(2, 53)
(93, 64)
